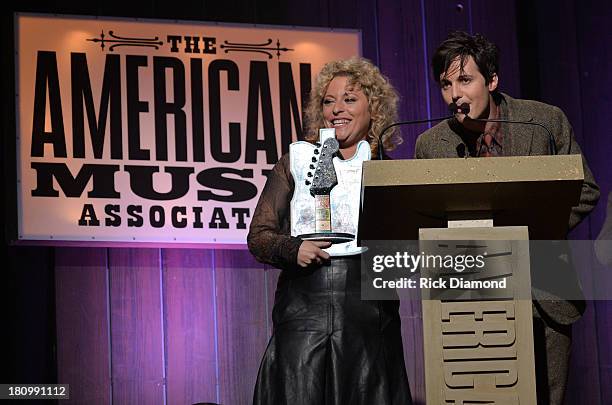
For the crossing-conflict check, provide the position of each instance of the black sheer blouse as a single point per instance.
(269, 238)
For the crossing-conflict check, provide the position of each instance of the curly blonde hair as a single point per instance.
(382, 99)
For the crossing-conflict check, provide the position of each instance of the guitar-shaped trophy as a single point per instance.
(326, 200)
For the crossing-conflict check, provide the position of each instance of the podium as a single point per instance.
(478, 349)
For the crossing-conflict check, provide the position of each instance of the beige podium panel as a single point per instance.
(479, 344)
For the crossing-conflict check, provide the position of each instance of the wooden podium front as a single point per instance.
(478, 349)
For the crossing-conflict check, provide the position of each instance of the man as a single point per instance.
(466, 68)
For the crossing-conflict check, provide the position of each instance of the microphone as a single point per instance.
(395, 124)
(455, 109)
(464, 108)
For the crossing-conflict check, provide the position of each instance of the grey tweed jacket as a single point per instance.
(603, 244)
(444, 141)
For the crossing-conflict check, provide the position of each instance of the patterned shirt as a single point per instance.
(489, 143)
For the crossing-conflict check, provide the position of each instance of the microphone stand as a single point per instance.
(395, 124)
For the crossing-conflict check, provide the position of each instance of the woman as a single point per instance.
(328, 346)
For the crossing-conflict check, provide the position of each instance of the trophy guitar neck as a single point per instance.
(324, 180)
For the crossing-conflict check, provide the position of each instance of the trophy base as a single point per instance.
(333, 237)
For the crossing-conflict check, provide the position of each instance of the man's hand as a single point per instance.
(311, 252)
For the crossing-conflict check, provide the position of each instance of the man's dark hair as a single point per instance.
(462, 45)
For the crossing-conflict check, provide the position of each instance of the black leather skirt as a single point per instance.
(328, 346)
